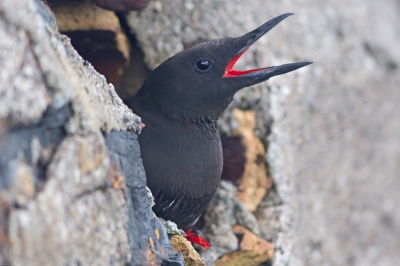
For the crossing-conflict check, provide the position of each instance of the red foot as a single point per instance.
(195, 236)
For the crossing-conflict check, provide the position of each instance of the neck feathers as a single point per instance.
(206, 123)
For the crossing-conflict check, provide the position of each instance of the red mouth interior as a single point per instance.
(230, 72)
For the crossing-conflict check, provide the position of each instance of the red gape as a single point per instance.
(195, 236)
(230, 72)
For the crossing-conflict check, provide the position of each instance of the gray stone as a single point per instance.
(171, 228)
(72, 183)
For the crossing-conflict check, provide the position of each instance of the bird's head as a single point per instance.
(201, 81)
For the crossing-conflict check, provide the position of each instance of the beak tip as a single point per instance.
(307, 63)
(298, 65)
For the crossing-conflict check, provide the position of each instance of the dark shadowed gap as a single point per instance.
(137, 71)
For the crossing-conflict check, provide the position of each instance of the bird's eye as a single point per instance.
(203, 65)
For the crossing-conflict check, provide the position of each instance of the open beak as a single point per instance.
(261, 74)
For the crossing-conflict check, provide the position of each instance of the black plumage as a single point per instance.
(180, 104)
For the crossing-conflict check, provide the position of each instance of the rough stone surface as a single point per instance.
(331, 129)
(171, 228)
(252, 250)
(224, 212)
(72, 184)
(184, 247)
(145, 229)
